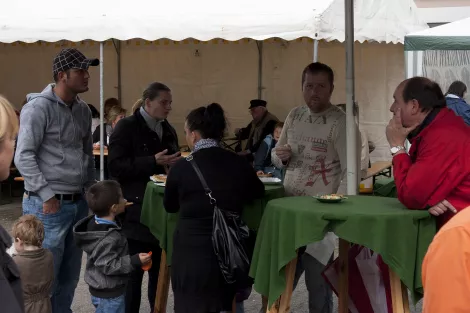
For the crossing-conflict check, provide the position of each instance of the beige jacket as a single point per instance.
(37, 275)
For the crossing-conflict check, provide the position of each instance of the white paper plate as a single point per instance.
(160, 184)
(270, 180)
(156, 181)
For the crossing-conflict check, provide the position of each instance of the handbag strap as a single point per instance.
(208, 191)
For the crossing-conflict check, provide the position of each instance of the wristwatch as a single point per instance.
(396, 149)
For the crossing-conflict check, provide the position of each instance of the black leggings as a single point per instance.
(134, 287)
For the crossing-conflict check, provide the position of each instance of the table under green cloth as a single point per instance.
(399, 235)
(162, 224)
(385, 187)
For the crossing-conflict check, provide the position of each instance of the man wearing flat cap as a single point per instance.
(263, 124)
(55, 156)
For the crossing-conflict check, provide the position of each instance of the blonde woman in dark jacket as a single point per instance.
(11, 294)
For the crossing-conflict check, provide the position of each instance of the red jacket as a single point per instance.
(437, 167)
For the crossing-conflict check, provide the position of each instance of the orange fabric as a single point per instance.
(446, 268)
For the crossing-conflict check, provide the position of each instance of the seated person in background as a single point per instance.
(115, 114)
(262, 125)
(108, 261)
(455, 101)
(108, 104)
(95, 117)
(263, 163)
(446, 267)
(435, 174)
(35, 264)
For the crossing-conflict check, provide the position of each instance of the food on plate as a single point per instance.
(262, 174)
(160, 178)
(332, 196)
(185, 154)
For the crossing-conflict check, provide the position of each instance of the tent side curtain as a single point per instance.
(423, 43)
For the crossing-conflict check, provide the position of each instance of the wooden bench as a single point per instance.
(380, 168)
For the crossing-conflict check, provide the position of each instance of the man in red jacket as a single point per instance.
(435, 175)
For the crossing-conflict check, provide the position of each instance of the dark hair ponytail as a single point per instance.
(457, 88)
(209, 121)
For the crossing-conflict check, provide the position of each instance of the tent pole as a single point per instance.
(117, 47)
(351, 134)
(119, 70)
(102, 130)
(315, 50)
(259, 44)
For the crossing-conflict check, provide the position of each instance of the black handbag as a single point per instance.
(229, 234)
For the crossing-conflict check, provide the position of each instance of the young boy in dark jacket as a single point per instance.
(108, 260)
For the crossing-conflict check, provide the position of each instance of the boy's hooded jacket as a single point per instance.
(108, 259)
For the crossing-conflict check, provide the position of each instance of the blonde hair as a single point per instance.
(30, 230)
(114, 112)
(137, 105)
(8, 120)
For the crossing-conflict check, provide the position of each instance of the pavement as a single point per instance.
(81, 304)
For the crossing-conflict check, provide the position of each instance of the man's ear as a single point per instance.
(332, 89)
(415, 108)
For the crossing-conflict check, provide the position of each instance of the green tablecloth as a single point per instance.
(162, 224)
(399, 235)
(385, 187)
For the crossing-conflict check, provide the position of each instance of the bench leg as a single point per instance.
(399, 294)
(282, 305)
(343, 298)
(163, 285)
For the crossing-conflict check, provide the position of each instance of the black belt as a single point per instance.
(62, 197)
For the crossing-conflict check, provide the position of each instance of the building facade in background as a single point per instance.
(438, 12)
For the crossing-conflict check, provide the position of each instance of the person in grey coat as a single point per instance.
(108, 261)
(54, 154)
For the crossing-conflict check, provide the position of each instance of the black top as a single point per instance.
(96, 135)
(232, 180)
(11, 292)
(198, 285)
(131, 161)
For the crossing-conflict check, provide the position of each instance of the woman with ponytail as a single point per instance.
(140, 146)
(197, 281)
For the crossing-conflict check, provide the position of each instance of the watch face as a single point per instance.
(395, 149)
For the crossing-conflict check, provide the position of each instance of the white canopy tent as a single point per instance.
(53, 20)
(374, 20)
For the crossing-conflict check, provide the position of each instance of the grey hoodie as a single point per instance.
(108, 261)
(54, 150)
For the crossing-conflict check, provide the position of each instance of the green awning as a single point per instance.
(451, 36)
(423, 43)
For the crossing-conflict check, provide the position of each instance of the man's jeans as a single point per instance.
(58, 238)
(111, 305)
(320, 298)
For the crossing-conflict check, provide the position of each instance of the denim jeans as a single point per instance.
(320, 297)
(109, 305)
(58, 238)
(239, 307)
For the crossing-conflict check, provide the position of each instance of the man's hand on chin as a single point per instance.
(396, 132)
